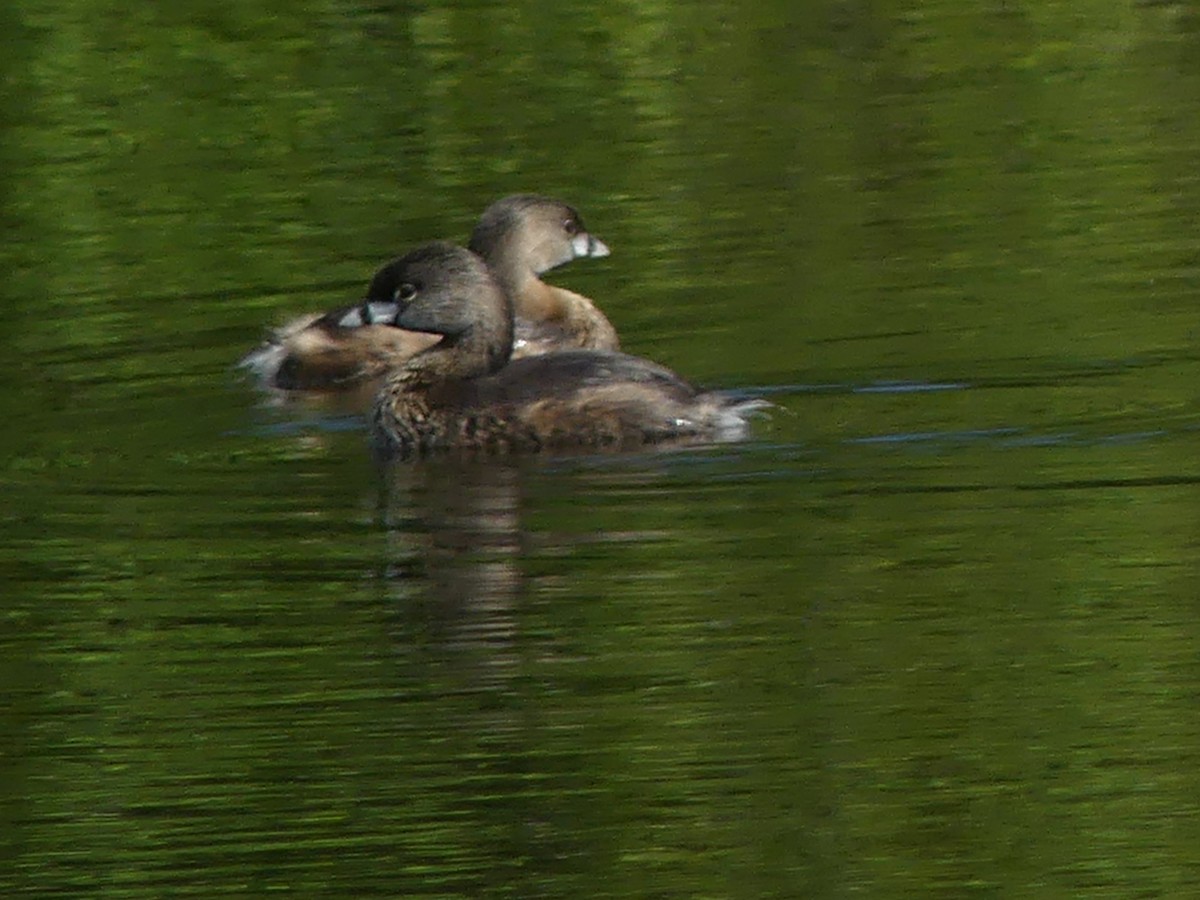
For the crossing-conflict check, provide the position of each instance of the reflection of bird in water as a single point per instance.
(455, 528)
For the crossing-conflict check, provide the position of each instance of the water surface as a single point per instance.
(930, 633)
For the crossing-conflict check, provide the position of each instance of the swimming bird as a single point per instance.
(521, 237)
(466, 393)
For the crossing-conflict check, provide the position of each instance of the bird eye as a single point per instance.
(571, 227)
(405, 292)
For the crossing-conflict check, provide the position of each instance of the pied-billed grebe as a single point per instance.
(521, 237)
(463, 393)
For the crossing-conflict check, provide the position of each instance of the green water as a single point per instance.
(932, 633)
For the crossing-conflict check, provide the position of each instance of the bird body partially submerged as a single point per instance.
(464, 394)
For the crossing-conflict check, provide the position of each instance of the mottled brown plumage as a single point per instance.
(521, 237)
(464, 394)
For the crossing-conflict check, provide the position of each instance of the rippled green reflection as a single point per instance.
(931, 634)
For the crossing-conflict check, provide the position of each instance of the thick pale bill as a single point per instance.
(583, 244)
(375, 313)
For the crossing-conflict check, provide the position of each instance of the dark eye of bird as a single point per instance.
(570, 226)
(405, 292)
